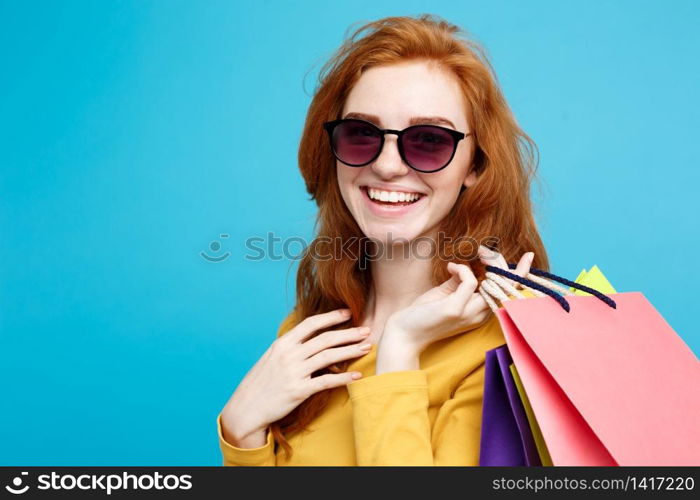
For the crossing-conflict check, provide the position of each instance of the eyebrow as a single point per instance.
(416, 120)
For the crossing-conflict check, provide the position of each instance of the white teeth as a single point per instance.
(392, 196)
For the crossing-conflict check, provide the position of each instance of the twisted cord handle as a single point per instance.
(494, 285)
(584, 288)
(549, 284)
(530, 284)
(487, 297)
(504, 284)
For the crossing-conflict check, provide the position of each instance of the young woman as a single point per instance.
(421, 176)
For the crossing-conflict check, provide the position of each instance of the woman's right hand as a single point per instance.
(281, 378)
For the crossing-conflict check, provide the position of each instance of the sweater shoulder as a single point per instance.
(289, 322)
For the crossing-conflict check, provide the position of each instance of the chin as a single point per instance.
(392, 233)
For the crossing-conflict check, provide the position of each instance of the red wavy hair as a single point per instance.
(497, 207)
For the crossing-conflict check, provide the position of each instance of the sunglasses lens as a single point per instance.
(428, 148)
(355, 142)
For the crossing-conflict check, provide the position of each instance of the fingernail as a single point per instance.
(365, 347)
(364, 330)
(355, 375)
(530, 256)
(345, 312)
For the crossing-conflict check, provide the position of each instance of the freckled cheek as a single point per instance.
(443, 191)
(346, 183)
(440, 184)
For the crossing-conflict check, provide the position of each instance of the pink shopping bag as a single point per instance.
(608, 385)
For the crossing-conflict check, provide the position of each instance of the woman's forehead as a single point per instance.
(398, 93)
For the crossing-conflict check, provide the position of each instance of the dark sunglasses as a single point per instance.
(426, 148)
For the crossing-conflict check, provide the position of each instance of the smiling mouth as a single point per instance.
(391, 198)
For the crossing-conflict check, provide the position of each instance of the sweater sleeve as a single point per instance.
(263, 455)
(234, 456)
(392, 426)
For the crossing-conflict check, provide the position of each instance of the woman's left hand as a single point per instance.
(441, 312)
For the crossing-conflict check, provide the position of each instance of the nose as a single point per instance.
(389, 162)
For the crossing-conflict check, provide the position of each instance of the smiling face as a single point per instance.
(391, 97)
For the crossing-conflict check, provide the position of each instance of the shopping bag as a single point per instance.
(510, 434)
(595, 279)
(534, 426)
(609, 381)
(506, 436)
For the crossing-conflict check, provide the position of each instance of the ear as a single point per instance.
(471, 177)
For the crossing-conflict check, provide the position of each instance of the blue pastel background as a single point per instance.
(134, 134)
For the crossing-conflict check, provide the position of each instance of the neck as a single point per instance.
(398, 278)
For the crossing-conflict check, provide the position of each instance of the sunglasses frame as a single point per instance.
(456, 135)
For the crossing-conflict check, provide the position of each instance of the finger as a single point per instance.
(496, 259)
(317, 322)
(451, 284)
(490, 257)
(478, 309)
(476, 306)
(523, 267)
(334, 355)
(524, 264)
(333, 338)
(330, 380)
(467, 285)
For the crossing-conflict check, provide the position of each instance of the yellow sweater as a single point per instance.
(428, 416)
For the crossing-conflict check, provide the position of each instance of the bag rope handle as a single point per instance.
(527, 282)
(494, 285)
(549, 284)
(584, 288)
(487, 297)
(504, 284)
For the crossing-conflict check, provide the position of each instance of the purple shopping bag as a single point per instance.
(506, 437)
